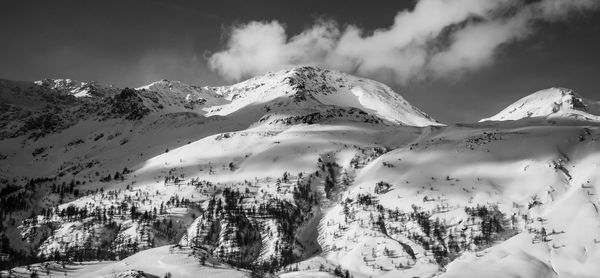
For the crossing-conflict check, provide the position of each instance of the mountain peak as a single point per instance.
(311, 86)
(298, 90)
(76, 88)
(552, 103)
(175, 88)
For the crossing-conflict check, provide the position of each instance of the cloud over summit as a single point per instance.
(437, 38)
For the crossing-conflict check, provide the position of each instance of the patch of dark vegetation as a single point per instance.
(127, 104)
(75, 142)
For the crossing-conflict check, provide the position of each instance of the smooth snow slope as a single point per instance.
(155, 262)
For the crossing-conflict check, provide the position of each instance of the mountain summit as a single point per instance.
(312, 87)
(553, 103)
(306, 95)
(298, 91)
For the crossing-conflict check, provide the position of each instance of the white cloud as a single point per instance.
(436, 38)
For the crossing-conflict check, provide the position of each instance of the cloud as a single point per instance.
(437, 38)
(258, 47)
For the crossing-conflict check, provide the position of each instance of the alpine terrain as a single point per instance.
(305, 172)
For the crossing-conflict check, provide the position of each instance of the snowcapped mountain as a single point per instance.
(297, 91)
(299, 173)
(312, 88)
(303, 94)
(551, 104)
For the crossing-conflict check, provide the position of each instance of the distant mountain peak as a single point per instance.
(552, 103)
(77, 88)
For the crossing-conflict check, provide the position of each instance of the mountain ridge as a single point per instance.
(291, 179)
(305, 92)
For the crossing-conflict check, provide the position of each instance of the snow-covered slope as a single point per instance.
(302, 94)
(176, 96)
(156, 262)
(540, 181)
(551, 104)
(84, 139)
(312, 87)
(300, 173)
(300, 90)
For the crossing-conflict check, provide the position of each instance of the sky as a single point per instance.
(459, 60)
